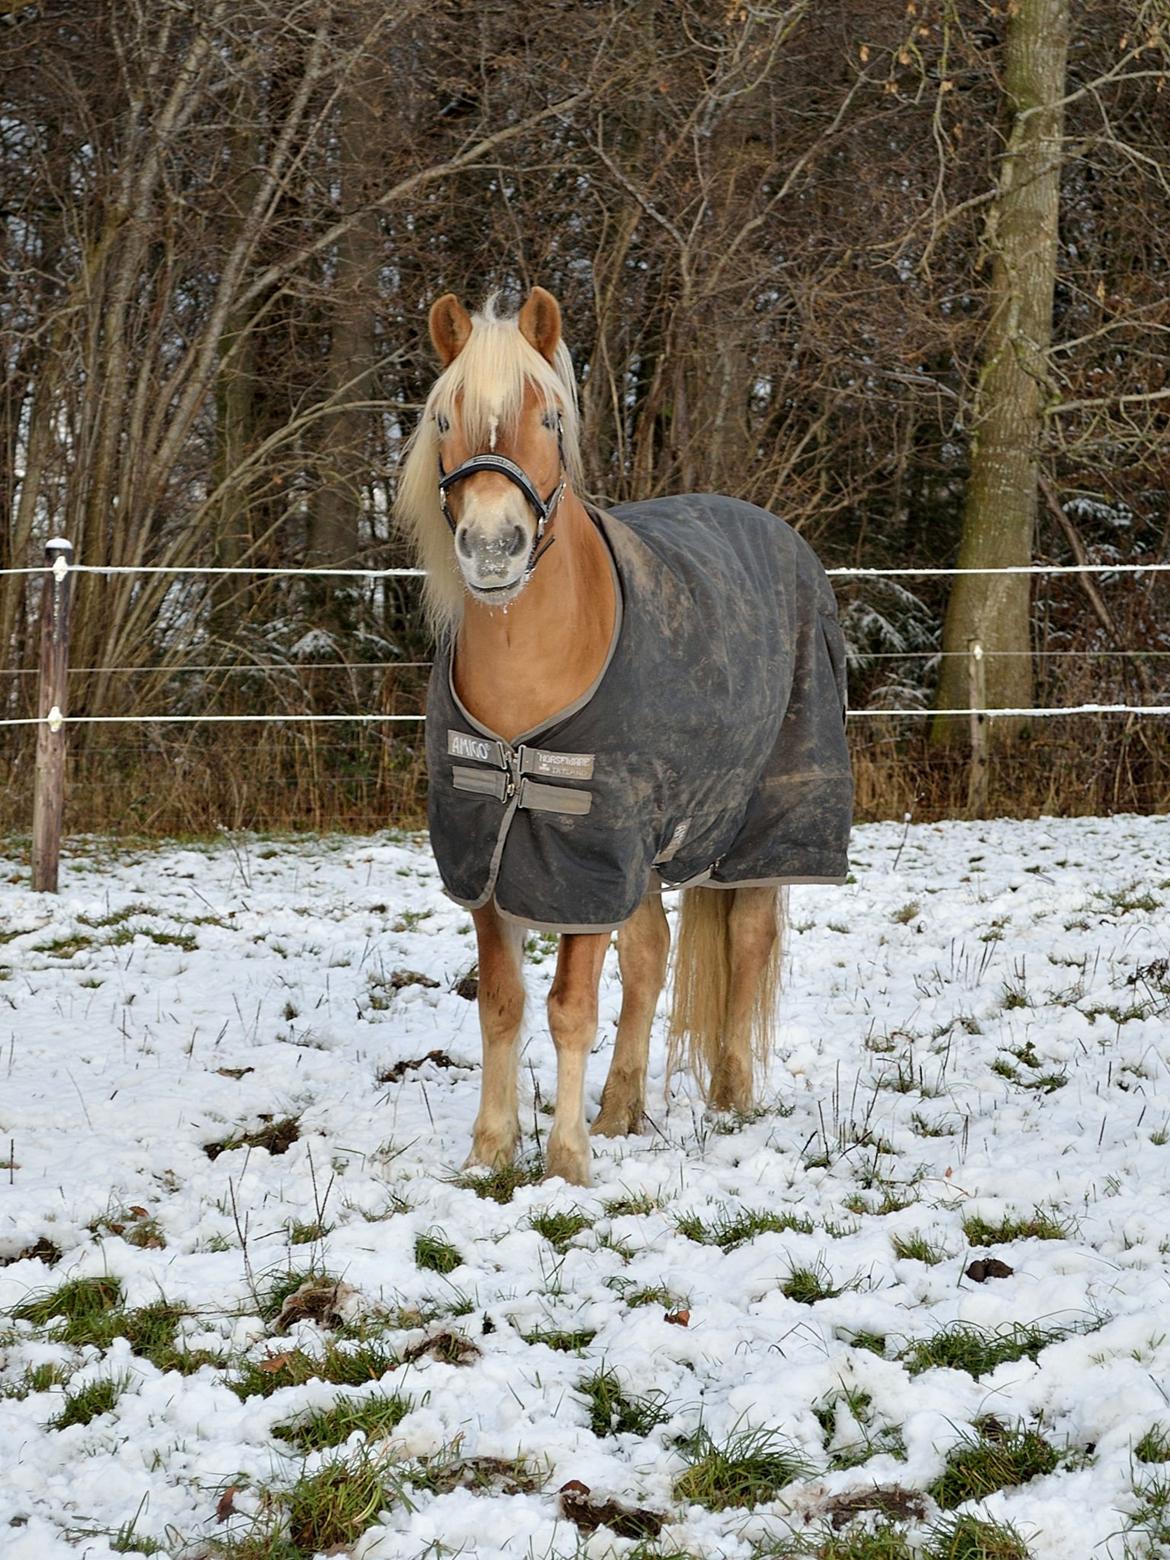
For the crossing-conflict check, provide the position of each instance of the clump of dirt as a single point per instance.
(43, 1249)
(276, 1136)
(317, 1300)
(451, 1348)
(890, 1500)
(622, 1521)
(400, 1069)
(984, 1268)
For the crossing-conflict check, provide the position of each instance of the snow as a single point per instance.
(135, 998)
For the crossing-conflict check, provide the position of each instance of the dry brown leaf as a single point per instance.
(226, 1505)
(275, 1362)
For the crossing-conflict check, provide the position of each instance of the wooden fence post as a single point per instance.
(52, 706)
(977, 776)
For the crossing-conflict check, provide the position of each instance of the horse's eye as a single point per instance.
(549, 421)
(443, 425)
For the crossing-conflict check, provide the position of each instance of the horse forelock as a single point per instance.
(484, 387)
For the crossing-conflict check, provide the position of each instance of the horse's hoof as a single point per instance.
(570, 1163)
(618, 1121)
(490, 1151)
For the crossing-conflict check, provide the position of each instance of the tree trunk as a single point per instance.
(1000, 507)
(335, 535)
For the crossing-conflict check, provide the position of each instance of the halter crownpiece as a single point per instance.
(544, 509)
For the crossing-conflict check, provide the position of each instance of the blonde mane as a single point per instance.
(488, 378)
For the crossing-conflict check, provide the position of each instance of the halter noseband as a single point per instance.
(544, 509)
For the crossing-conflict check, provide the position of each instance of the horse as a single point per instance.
(622, 702)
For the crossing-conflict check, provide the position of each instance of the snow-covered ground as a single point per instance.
(975, 1028)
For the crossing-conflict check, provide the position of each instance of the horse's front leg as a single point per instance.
(572, 1016)
(643, 945)
(501, 1010)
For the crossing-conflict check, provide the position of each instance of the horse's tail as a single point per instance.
(702, 985)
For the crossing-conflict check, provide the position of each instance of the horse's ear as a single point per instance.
(450, 326)
(540, 322)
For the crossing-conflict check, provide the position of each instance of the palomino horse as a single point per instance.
(622, 702)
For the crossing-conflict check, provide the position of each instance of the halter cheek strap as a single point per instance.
(544, 509)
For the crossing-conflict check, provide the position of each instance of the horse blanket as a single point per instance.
(711, 748)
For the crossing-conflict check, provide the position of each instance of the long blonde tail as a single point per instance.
(701, 986)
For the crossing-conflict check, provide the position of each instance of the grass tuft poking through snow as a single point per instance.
(995, 1458)
(614, 1411)
(965, 1346)
(973, 1538)
(745, 1469)
(374, 1417)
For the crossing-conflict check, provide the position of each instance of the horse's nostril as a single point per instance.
(519, 541)
(463, 542)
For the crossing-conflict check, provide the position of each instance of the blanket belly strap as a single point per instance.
(511, 771)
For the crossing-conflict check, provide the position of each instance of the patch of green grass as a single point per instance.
(807, 1285)
(1154, 1446)
(499, 1185)
(330, 1509)
(307, 1234)
(977, 1350)
(916, 1248)
(995, 1458)
(655, 1294)
(614, 1411)
(77, 1307)
(89, 1311)
(435, 1253)
(567, 1340)
(881, 1542)
(88, 1402)
(560, 1229)
(932, 1129)
(340, 1365)
(736, 1229)
(641, 1204)
(127, 1540)
(872, 1343)
(1041, 1226)
(375, 1417)
(751, 1466)
(973, 1538)
(37, 1378)
(65, 947)
(1151, 1517)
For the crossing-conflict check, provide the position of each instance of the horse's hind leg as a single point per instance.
(501, 1010)
(643, 943)
(572, 1015)
(753, 935)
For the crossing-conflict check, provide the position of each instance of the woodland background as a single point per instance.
(773, 233)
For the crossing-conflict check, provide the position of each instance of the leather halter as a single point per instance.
(544, 509)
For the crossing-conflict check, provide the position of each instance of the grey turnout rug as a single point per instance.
(711, 749)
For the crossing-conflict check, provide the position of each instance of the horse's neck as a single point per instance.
(517, 666)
